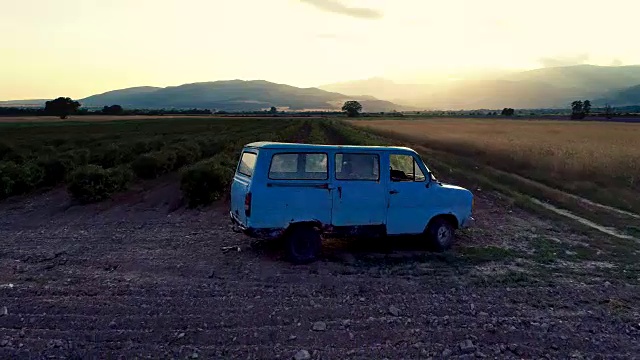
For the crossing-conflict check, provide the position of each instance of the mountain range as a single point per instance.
(554, 87)
(232, 95)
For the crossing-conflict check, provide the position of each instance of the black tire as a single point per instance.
(303, 244)
(441, 234)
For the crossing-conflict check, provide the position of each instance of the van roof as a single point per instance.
(302, 146)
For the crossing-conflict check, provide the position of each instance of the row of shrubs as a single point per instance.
(22, 176)
(201, 182)
(92, 183)
(207, 180)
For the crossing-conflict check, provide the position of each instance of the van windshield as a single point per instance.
(247, 163)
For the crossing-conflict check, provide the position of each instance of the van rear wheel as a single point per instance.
(441, 234)
(303, 244)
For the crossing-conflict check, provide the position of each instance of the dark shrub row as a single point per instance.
(91, 183)
(19, 179)
(207, 181)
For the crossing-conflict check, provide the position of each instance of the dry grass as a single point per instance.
(595, 159)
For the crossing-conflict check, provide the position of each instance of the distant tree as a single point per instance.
(608, 111)
(508, 112)
(112, 110)
(273, 110)
(352, 108)
(577, 110)
(62, 107)
(586, 107)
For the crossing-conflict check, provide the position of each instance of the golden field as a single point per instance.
(595, 159)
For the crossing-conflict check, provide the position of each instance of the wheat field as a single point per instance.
(582, 157)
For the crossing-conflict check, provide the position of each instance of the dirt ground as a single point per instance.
(142, 276)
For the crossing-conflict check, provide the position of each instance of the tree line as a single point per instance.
(65, 106)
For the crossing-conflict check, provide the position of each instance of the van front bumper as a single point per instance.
(468, 222)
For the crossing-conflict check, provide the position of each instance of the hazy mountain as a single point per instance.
(117, 96)
(232, 95)
(380, 88)
(625, 97)
(547, 87)
(595, 79)
(497, 94)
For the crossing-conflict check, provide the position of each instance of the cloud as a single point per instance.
(336, 7)
(564, 61)
(327, 36)
(617, 62)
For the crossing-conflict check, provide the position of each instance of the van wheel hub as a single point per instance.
(443, 235)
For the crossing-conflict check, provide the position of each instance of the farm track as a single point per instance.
(616, 218)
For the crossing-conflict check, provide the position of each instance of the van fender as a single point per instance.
(314, 224)
(450, 217)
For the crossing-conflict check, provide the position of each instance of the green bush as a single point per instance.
(5, 149)
(186, 154)
(154, 164)
(19, 179)
(112, 155)
(56, 169)
(15, 155)
(142, 147)
(209, 147)
(205, 182)
(78, 157)
(227, 160)
(91, 183)
(8, 174)
(121, 176)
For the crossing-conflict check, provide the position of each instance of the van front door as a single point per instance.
(359, 197)
(408, 196)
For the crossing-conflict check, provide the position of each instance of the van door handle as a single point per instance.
(393, 192)
(340, 192)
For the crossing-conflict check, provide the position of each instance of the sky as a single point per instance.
(77, 48)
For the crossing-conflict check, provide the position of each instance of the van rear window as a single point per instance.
(247, 163)
(299, 166)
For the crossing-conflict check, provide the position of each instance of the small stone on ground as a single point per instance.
(319, 326)
(302, 355)
(467, 347)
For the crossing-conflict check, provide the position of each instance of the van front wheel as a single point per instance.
(303, 244)
(441, 234)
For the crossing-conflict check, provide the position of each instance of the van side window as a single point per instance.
(299, 166)
(405, 168)
(247, 163)
(350, 166)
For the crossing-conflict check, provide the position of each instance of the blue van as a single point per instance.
(303, 192)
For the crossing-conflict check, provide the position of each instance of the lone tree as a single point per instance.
(273, 110)
(352, 108)
(62, 107)
(112, 110)
(508, 112)
(586, 107)
(579, 109)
